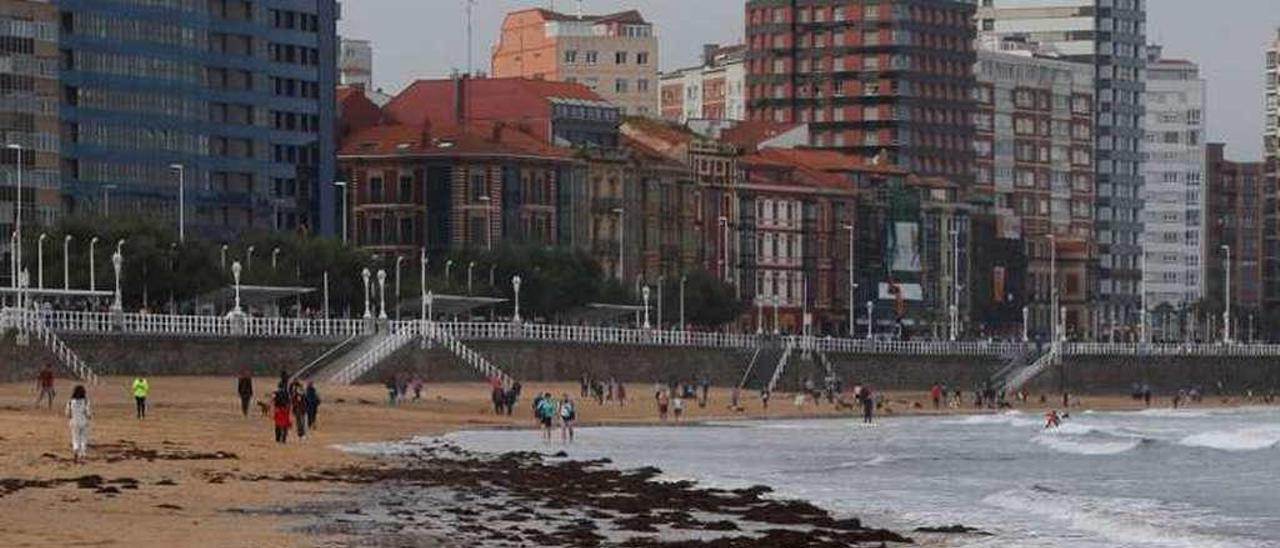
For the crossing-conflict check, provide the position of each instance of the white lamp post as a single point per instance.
(422, 279)
(430, 301)
(852, 284)
(66, 264)
(645, 293)
(326, 295)
(448, 265)
(777, 328)
(1226, 299)
(117, 261)
(515, 286)
(18, 208)
(182, 202)
(275, 256)
(724, 248)
(222, 258)
(1026, 313)
(1053, 289)
(683, 280)
(248, 261)
(235, 273)
(343, 185)
(382, 294)
(93, 280)
(365, 275)
(40, 260)
(470, 266)
(395, 299)
(870, 323)
(759, 314)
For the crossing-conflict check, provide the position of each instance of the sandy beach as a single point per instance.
(177, 477)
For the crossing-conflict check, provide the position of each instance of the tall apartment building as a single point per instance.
(1034, 150)
(1174, 194)
(1234, 194)
(355, 63)
(238, 92)
(1110, 35)
(616, 55)
(28, 119)
(714, 90)
(893, 76)
(1271, 214)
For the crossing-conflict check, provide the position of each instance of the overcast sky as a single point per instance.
(426, 38)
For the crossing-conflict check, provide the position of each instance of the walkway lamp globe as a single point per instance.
(117, 261)
(645, 293)
(40, 260)
(275, 256)
(222, 258)
(248, 261)
(235, 273)
(66, 264)
(382, 294)
(93, 280)
(515, 287)
(365, 275)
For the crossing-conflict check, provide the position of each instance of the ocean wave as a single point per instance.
(1063, 444)
(1246, 439)
(1127, 521)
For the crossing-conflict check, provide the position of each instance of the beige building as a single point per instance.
(615, 55)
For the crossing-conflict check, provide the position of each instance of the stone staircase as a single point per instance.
(362, 359)
(28, 324)
(1019, 377)
(783, 359)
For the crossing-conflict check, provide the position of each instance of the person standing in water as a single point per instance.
(868, 405)
(78, 415)
(141, 387)
(546, 412)
(244, 387)
(568, 414)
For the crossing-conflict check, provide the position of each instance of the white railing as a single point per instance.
(440, 334)
(782, 364)
(64, 321)
(33, 323)
(1030, 372)
(1170, 349)
(595, 335)
(387, 346)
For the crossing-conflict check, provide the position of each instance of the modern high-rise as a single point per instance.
(1271, 211)
(616, 55)
(239, 93)
(1110, 35)
(29, 120)
(893, 76)
(1034, 150)
(1235, 195)
(1174, 193)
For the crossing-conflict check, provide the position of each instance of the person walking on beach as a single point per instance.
(935, 394)
(141, 387)
(677, 407)
(78, 415)
(868, 405)
(280, 415)
(298, 405)
(417, 388)
(621, 393)
(546, 412)
(44, 385)
(663, 402)
(568, 414)
(244, 387)
(311, 400)
(391, 391)
(705, 385)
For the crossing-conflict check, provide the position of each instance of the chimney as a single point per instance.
(460, 100)
(709, 53)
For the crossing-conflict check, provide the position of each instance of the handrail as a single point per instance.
(327, 354)
(750, 367)
(782, 364)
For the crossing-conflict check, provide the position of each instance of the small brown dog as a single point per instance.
(264, 408)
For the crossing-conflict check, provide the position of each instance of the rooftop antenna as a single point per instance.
(470, 3)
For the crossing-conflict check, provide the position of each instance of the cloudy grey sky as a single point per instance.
(426, 38)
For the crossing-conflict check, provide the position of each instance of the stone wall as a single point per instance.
(1165, 374)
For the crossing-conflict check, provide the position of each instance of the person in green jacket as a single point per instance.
(140, 389)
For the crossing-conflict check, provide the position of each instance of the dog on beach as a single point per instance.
(264, 408)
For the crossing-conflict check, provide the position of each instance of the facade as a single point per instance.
(1174, 241)
(237, 92)
(29, 119)
(1034, 150)
(355, 63)
(1109, 35)
(615, 55)
(1235, 196)
(714, 90)
(893, 76)
(1271, 214)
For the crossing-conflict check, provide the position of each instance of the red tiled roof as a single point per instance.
(829, 160)
(489, 98)
(498, 139)
(796, 173)
(749, 134)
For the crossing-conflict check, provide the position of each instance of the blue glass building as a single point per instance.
(240, 93)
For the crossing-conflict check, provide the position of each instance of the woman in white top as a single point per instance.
(79, 414)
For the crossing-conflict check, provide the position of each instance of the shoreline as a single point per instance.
(176, 474)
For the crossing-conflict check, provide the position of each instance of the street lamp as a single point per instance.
(18, 207)
(422, 278)
(66, 263)
(470, 266)
(117, 261)
(954, 308)
(343, 185)
(1142, 296)
(182, 202)
(222, 258)
(448, 265)
(1226, 300)
(40, 261)
(683, 279)
(777, 328)
(93, 280)
(365, 275)
(382, 294)
(325, 277)
(621, 231)
(248, 263)
(759, 314)
(515, 286)
(396, 298)
(645, 292)
(275, 254)
(870, 322)
(235, 273)
(853, 286)
(1025, 313)
(724, 248)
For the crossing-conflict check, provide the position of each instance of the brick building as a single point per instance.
(1235, 199)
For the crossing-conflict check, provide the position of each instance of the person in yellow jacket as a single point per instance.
(140, 389)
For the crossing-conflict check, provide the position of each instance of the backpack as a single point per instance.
(567, 411)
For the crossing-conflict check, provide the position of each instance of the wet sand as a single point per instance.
(197, 472)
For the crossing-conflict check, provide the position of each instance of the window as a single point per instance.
(406, 189)
(642, 58)
(591, 57)
(375, 190)
(642, 85)
(478, 186)
(571, 57)
(620, 85)
(620, 58)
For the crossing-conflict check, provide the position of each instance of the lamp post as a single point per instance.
(621, 231)
(93, 280)
(66, 264)
(117, 261)
(1053, 289)
(448, 265)
(853, 286)
(17, 207)
(1142, 296)
(248, 262)
(343, 185)
(422, 279)
(759, 314)
(683, 279)
(275, 255)
(954, 309)
(1226, 299)
(470, 267)
(777, 327)
(364, 274)
(870, 323)
(724, 248)
(431, 305)
(382, 294)
(40, 261)
(1025, 313)
(488, 221)
(235, 274)
(645, 293)
(515, 287)
(182, 202)
(395, 297)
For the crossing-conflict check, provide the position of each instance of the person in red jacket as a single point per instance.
(280, 415)
(935, 394)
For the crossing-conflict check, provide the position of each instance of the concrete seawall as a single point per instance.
(641, 364)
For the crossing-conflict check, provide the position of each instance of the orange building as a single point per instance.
(615, 55)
